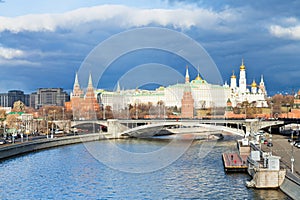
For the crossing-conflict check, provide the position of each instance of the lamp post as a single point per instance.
(292, 157)
(53, 124)
(136, 112)
(128, 117)
(287, 110)
(27, 128)
(245, 112)
(63, 110)
(103, 112)
(47, 127)
(4, 131)
(271, 114)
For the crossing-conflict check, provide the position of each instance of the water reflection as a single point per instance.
(71, 172)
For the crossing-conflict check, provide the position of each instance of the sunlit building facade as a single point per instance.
(83, 105)
(204, 94)
(256, 94)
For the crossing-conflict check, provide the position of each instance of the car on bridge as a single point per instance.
(74, 130)
(270, 144)
(260, 133)
(57, 131)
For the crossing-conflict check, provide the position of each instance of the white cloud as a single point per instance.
(18, 63)
(120, 16)
(9, 53)
(290, 20)
(291, 32)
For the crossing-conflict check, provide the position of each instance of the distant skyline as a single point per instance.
(43, 43)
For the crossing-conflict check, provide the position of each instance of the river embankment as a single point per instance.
(27, 147)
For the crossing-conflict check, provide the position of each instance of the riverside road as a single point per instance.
(281, 147)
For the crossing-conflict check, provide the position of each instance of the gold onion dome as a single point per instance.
(242, 67)
(233, 75)
(253, 84)
(198, 78)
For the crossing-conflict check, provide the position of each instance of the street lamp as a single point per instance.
(27, 128)
(63, 109)
(128, 117)
(245, 112)
(271, 114)
(136, 112)
(4, 131)
(53, 124)
(103, 112)
(287, 110)
(292, 158)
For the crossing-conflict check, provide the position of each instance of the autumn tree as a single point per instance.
(12, 121)
(280, 100)
(18, 106)
(2, 114)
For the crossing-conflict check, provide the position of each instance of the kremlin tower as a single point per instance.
(262, 88)
(242, 81)
(187, 76)
(83, 106)
(90, 102)
(187, 101)
(233, 81)
(77, 92)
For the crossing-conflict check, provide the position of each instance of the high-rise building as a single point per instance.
(48, 96)
(8, 99)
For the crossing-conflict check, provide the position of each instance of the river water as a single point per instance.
(72, 172)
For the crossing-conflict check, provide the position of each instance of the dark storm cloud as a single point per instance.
(264, 33)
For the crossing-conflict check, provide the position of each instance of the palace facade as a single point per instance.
(198, 92)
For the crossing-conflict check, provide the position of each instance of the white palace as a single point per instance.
(205, 95)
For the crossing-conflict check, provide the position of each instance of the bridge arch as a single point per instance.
(90, 126)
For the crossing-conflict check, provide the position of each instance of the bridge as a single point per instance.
(136, 127)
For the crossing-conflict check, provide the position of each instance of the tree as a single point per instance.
(108, 113)
(19, 106)
(280, 100)
(2, 114)
(12, 121)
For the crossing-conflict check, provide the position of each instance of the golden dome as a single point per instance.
(242, 67)
(253, 84)
(233, 75)
(198, 78)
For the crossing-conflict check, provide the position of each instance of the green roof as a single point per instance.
(13, 113)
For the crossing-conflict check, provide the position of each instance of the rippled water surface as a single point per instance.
(71, 172)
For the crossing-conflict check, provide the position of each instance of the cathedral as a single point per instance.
(198, 92)
(257, 94)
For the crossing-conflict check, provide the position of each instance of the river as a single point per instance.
(73, 172)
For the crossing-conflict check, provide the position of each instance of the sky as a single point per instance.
(44, 43)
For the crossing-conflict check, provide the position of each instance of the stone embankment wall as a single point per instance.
(291, 186)
(26, 147)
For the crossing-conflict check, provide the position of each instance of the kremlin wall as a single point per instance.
(193, 98)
